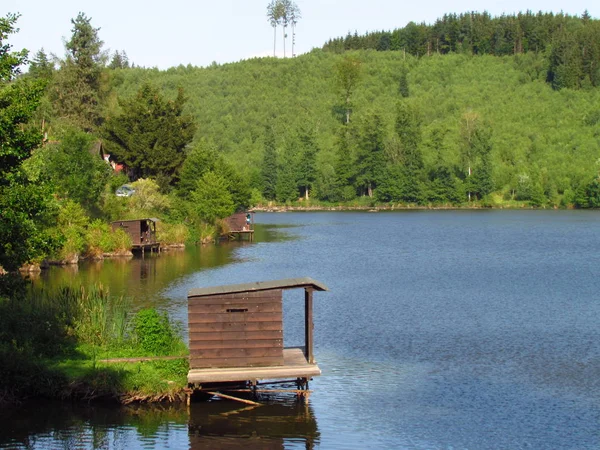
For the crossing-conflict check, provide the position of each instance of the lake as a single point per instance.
(441, 329)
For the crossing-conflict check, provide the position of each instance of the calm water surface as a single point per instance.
(462, 330)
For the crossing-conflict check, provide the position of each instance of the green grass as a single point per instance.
(52, 344)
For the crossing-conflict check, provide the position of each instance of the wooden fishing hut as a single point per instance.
(141, 231)
(236, 336)
(240, 225)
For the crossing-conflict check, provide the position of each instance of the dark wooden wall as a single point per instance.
(133, 228)
(237, 222)
(236, 330)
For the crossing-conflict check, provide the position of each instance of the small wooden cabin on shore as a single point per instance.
(236, 334)
(141, 231)
(240, 224)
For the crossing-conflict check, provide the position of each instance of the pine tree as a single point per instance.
(77, 91)
(370, 160)
(151, 134)
(40, 67)
(307, 171)
(269, 165)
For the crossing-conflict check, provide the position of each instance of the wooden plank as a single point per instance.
(141, 359)
(238, 326)
(234, 307)
(237, 353)
(233, 317)
(274, 295)
(261, 361)
(235, 335)
(295, 366)
(277, 343)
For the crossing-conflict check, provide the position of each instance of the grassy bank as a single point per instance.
(53, 344)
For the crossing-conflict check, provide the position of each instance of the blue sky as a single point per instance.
(165, 34)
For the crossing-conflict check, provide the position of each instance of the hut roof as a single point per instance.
(289, 283)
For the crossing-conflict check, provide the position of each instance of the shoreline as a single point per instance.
(377, 208)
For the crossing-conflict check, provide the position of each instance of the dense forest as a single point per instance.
(470, 111)
(572, 44)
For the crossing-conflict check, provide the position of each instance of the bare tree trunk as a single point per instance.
(347, 110)
(293, 40)
(284, 41)
(306, 193)
(469, 189)
(274, 40)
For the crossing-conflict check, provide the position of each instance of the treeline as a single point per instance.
(570, 43)
(62, 127)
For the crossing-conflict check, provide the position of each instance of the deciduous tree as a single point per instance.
(24, 206)
(347, 74)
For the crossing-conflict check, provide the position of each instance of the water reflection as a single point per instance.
(49, 425)
(288, 423)
(284, 423)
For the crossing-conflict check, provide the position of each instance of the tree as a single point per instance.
(287, 186)
(151, 134)
(483, 182)
(295, 15)
(73, 171)
(24, 206)
(275, 13)
(119, 60)
(211, 199)
(77, 91)
(369, 158)
(403, 84)
(469, 124)
(345, 168)
(40, 67)
(307, 161)
(408, 129)
(269, 165)
(203, 158)
(347, 74)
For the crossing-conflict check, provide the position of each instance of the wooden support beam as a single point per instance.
(273, 391)
(230, 397)
(308, 325)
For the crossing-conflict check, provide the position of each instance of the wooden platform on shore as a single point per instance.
(294, 366)
(241, 234)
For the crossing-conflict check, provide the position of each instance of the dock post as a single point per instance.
(308, 325)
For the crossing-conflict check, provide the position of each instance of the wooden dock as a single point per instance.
(236, 336)
(294, 366)
(240, 226)
(241, 235)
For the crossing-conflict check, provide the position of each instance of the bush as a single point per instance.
(153, 332)
(168, 233)
(102, 239)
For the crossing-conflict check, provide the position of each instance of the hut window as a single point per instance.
(232, 310)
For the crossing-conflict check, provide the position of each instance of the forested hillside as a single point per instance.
(417, 125)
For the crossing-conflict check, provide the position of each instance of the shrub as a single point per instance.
(168, 233)
(154, 332)
(102, 239)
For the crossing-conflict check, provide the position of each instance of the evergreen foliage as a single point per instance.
(574, 42)
(76, 93)
(151, 134)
